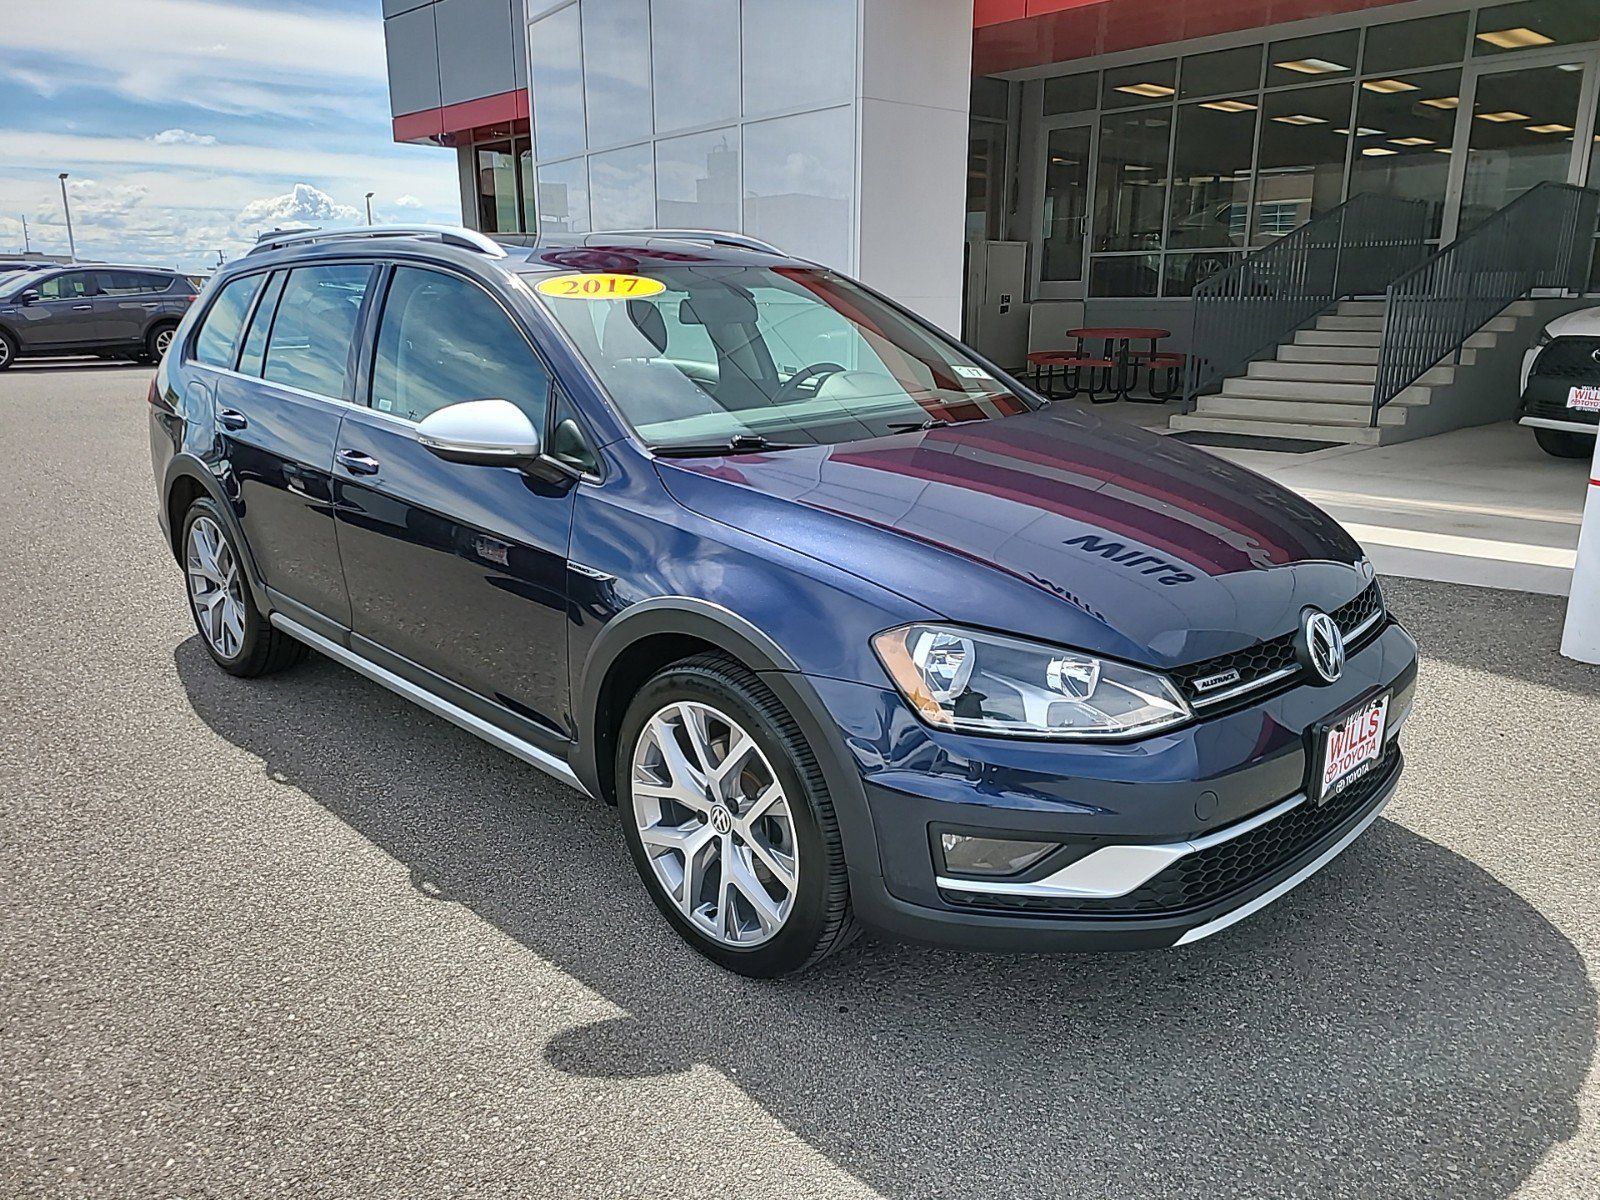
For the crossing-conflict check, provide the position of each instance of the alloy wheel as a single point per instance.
(716, 824)
(163, 342)
(5, 352)
(216, 588)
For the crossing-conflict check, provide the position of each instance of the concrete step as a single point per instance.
(1337, 372)
(1339, 337)
(1317, 391)
(1293, 352)
(1362, 308)
(1354, 435)
(1305, 412)
(1341, 321)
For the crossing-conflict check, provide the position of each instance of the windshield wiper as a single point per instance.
(930, 423)
(739, 443)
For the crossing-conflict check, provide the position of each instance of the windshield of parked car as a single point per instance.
(718, 355)
(13, 282)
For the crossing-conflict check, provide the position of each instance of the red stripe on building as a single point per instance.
(433, 124)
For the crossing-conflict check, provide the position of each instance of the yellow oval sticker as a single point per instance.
(600, 285)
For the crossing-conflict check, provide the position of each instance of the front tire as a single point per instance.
(1563, 443)
(238, 637)
(729, 821)
(8, 351)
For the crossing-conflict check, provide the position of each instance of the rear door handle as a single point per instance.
(358, 463)
(83, 308)
(231, 418)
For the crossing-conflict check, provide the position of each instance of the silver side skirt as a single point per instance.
(437, 705)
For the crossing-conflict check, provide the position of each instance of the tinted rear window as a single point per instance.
(218, 341)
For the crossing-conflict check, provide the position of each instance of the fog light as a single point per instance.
(965, 855)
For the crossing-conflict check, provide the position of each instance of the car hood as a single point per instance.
(1585, 322)
(1056, 524)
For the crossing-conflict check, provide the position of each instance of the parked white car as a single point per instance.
(1561, 385)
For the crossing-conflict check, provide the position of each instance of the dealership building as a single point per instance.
(1013, 169)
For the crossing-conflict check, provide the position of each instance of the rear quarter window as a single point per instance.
(217, 343)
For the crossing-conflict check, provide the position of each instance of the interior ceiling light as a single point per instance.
(1376, 151)
(1363, 131)
(1550, 128)
(1503, 118)
(1411, 141)
(1147, 89)
(1230, 106)
(1300, 119)
(1515, 39)
(1570, 67)
(1388, 87)
(1312, 66)
(1441, 149)
(1444, 102)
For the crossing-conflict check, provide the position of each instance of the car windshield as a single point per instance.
(731, 356)
(13, 282)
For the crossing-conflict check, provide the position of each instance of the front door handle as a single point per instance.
(357, 463)
(83, 308)
(231, 418)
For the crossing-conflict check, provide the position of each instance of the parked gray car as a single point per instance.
(105, 310)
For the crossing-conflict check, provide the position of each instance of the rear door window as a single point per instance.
(131, 283)
(314, 329)
(255, 339)
(217, 344)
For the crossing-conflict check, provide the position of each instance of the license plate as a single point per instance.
(1350, 746)
(1584, 399)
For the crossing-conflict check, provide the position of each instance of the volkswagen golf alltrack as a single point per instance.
(853, 628)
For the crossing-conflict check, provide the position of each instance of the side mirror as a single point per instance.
(482, 433)
(30, 296)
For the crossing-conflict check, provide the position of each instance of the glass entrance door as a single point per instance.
(1068, 154)
(1519, 126)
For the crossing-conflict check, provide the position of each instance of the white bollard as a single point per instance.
(1582, 637)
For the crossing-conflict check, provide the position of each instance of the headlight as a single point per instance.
(976, 682)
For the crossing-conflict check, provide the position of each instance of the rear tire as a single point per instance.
(8, 351)
(1563, 443)
(158, 342)
(784, 903)
(235, 633)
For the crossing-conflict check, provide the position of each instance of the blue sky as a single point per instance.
(190, 125)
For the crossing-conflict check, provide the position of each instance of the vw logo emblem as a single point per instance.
(1595, 355)
(721, 819)
(1322, 645)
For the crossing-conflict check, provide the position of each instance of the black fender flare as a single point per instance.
(186, 466)
(688, 616)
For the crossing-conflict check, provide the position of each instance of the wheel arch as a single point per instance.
(188, 480)
(652, 634)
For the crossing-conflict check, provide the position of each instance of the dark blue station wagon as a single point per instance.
(852, 627)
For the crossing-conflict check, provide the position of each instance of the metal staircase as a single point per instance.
(1371, 371)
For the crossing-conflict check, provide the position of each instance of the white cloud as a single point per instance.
(302, 205)
(182, 137)
(226, 57)
(408, 201)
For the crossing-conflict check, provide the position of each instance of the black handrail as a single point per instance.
(1542, 239)
(1254, 306)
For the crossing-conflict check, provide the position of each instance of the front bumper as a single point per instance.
(1204, 824)
(1544, 403)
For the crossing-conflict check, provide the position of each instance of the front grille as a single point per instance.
(1570, 358)
(1214, 874)
(1255, 663)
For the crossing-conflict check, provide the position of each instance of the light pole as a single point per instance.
(66, 207)
(369, 207)
(27, 247)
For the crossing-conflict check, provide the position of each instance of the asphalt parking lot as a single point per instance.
(294, 937)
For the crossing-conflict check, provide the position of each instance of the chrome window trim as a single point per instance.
(438, 705)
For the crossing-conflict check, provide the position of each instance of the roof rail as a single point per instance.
(450, 235)
(711, 237)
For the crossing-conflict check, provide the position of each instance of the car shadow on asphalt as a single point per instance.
(1402, 1025)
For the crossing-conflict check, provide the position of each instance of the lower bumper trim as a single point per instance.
(1288, 885)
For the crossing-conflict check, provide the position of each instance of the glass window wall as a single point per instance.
(555, 56)
(1139, 84)
(697, 180)
(688, 37)
(1321, 56)
(616, 70)
(622, 188)
(798, 173)
(1404, 128)
(1221, 72)
(1305, 140)
(564, 197)
(1535, 24)
(798, 54)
